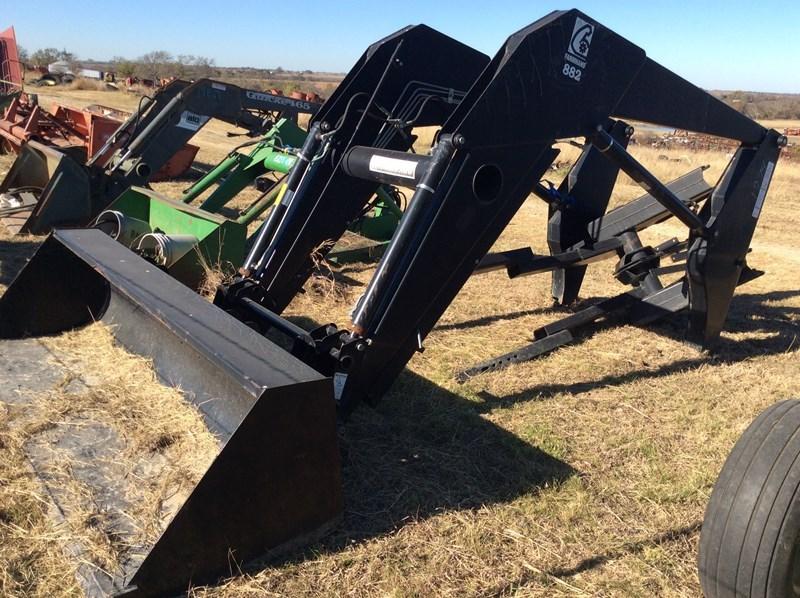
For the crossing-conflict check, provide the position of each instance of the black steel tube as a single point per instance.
(275, 321)
(385, 166)
(161, 118)
(368, 312)
(287, 189)
(123, 128)
(630, 166)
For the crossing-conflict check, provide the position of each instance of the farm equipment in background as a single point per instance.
(63, 127)
(187, 240)
(11, 68)
(277, 152)
(24, 120)
(45, 188)
(562, 77)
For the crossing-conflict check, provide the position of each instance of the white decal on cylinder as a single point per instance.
(406, 169)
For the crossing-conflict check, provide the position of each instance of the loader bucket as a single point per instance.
(218, 240)
(276, 481)
(60, 182)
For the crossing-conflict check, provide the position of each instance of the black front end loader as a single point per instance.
(276, 480)
(562, 77)
(46, 188)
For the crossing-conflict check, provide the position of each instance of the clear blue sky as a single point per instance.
(715, 44)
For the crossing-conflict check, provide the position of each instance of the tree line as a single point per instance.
(160, 64)
(155, 65)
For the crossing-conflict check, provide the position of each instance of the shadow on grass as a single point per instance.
(666, 537)
(422, 451)
(778, 328)
(629, 548)
(13, 257)
(486, 320)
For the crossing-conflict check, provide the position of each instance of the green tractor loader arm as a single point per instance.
(139, 213)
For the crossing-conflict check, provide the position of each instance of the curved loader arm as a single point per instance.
(414, 77)
(179, 111)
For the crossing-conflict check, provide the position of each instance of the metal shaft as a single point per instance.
(212, 177)
(286, 193)
(630, 166)
(265, 201)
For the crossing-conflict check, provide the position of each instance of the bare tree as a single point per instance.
(205, 66)
(156, 65)
(123, 67)
(183, 62)
(44, 56)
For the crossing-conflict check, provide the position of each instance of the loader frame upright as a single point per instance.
(407, 81)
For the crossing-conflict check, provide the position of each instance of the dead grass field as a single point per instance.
(584, 473)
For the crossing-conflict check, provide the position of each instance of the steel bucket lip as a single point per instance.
(146, 285)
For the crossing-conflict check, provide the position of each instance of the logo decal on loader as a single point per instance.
(581, 38)
(190, 120)
(578, 49)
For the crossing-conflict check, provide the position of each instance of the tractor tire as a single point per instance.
(750, 541)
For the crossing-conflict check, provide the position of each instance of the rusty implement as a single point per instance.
(61, 126)
(276, 478)
(10, 65)
(84, 133)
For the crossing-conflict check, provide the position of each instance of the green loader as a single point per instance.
(186, 240)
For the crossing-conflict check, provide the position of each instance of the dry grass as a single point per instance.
(89, 85)
(163, 449)
(583, 473)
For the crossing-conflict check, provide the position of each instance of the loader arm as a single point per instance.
(564, 76)
(415, 77)
(169, 124)
(72, 194)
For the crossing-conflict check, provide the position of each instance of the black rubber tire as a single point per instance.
(749, 543)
